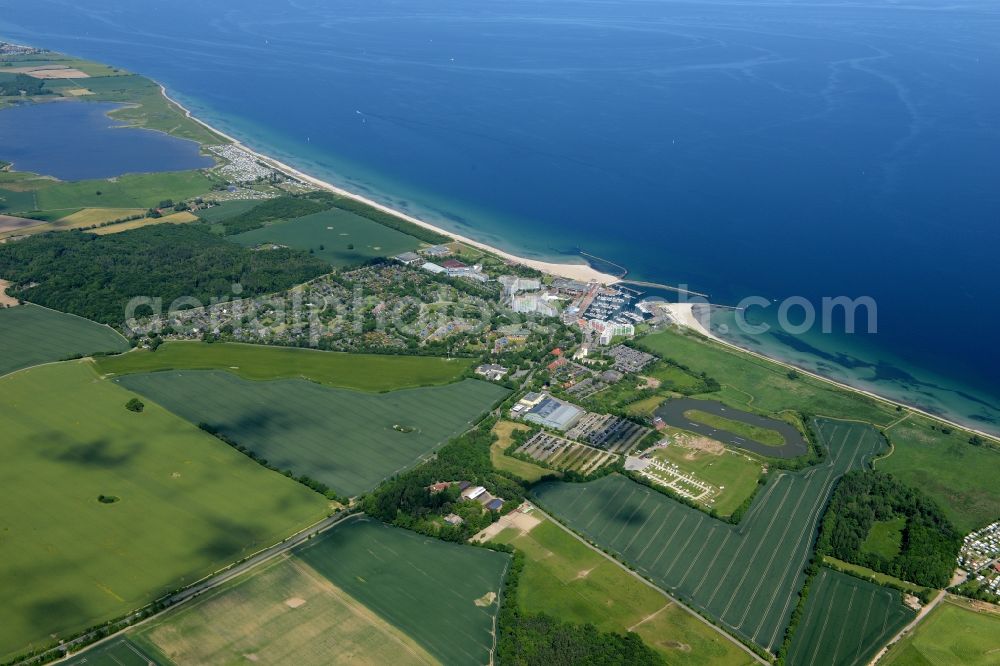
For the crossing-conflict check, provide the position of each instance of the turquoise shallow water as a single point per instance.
(742, 148)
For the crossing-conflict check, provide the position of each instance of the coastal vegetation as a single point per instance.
(875, 521)
(756, 433)
(95, 276)
(343, 439)
(176, 518)
(361, 372)
(32, 335)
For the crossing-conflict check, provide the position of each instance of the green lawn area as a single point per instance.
(735, 472)
(33, 335)
(131, 191)
(283, 612)
(520, 468)
(348, 440)
(363, 372)
(846, 621)
(338, 236)
(566, 579)
(443, 595)
(756, 433)
(959, 476)
(885, 537)
(955, 633)
(187, 504)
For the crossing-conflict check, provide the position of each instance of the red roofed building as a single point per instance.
(452, 263)
(557, 352)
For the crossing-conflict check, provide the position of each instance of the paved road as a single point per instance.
(672, 412)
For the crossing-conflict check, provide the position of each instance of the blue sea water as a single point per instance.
(78, 141)
(745, 147)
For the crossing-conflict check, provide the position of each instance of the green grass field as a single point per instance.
(885, 537)
(226, 209)
(520, 468)
(734, 472)
(756, 433)
(363, 372)
(443, 595)
(944, 465)
(33, 335)
(345, 439)
(117, 652)
(960, 477)
(567, 580)
(188, 504)
(338, 236)
(747, 576)
(846, 621)
(955, 633)
(282, 613)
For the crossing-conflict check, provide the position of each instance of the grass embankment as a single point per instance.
(520, 468)
(362, 372)
(958, 632)
(187, 504)
(756, 433)
(33, 335)
(566, 579)
(926, 455)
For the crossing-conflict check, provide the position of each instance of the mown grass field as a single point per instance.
(443, 595)
(567, 580)
(846, 621)
(91, 216)
(348, 440)
(734, 472)
(363, 372)
(283, 612)
(30, 335)
(338, 236)
(187, 504)
(520, 468)
(958, 632)
(747, 576)
(944, 465)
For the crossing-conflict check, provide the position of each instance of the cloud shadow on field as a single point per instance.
(99, 452)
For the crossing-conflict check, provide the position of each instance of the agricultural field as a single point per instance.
(942, 464)
(338, 236)
(732, 474)
(443, 595)
(846, 621)
(117, 652)
(568, 580)
(224, 210)
(33, 335)
(746, 576)
(348, 440)
(106, 509)
(520, 468)
(362, 372)
(958, 632)
(182, 217)
(283, 612)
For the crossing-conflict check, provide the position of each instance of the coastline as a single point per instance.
(681, 312)
(582, 272)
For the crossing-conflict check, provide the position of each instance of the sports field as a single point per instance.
(183, 504)
(362, 372)
(338, 236)
(284, 613)
(958, 632)
(747, 576)
(348, 440)
(847, 620)
(568, 580)
(30, 335)
(443, 595)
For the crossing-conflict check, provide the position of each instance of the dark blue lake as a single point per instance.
(79, 141)
(745, 147)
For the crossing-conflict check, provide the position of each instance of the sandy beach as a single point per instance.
(582, 271)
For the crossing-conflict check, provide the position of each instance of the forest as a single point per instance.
(95, 276)
(875, 521)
